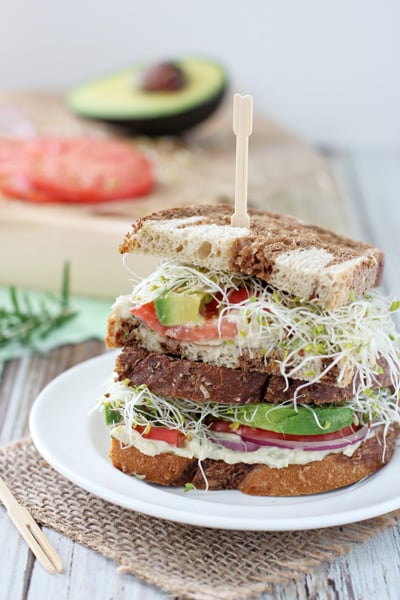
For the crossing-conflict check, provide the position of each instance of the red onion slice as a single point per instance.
(239, 444)
(320, 446)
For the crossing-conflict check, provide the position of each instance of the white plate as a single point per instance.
(74, 440)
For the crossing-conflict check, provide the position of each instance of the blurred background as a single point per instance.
(327, 70)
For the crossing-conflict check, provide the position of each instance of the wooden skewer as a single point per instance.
(242, 126)
(30, 531)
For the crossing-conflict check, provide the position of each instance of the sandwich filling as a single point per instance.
(262, 433)
(222, 315)
(215, 317)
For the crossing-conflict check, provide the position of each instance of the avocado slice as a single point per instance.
(179, 309)
(301, 421)
(119, 98)
(111, 415)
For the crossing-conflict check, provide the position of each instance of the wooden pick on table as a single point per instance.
(30, 531)
(242, 126)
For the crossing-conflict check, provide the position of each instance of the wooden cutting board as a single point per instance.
(285, 175)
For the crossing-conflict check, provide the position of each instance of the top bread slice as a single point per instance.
(304, 260)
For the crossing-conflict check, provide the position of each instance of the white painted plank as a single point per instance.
(87, 574)
(15, 560)
(380, 190)
(374, 185)
(13, 425)
(370, 570)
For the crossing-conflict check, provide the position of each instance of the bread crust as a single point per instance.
(163, 469)
(333, 472)
(305, 260)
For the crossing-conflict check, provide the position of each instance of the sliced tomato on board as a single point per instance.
(163, 434)
(210, 329)
(73, 170)
(260, 434)
(17, 186)
(16, 157)
(92, 170)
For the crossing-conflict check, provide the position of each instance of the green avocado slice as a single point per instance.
(111, 415)
(179, 309)
(314, 420)
(117, 98)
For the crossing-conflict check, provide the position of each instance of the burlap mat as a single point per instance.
(188, 562)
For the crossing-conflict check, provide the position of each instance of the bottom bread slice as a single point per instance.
(333, 472)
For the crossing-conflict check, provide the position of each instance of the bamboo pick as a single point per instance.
(242, 126)
(30, 531)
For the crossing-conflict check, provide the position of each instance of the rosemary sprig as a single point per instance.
(23, 321)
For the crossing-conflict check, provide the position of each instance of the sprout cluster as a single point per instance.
(354, 342)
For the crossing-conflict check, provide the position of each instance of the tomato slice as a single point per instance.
(211, 329)
(14, 152)
(17, 186)
(73, 170)
(211, 309)
(92, 170)
(237, 296)
(257, 433)
(163, 434)
(148, 314)
(15, 159)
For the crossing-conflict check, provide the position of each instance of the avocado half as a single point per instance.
(117, 98)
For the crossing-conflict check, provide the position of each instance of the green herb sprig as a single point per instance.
(24, 320)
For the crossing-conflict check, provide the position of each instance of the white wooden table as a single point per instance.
(371, 184)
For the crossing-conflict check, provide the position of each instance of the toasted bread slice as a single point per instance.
(333, 472)
(173, 377)
(304, 260)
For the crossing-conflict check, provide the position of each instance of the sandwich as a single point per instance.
(261, 359)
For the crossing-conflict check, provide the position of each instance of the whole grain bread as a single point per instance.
(305, 260)
(172, 377)
(333, 472)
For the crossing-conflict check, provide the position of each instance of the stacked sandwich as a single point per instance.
(259, 359)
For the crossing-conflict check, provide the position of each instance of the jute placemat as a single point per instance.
(188, 562)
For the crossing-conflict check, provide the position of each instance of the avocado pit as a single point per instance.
(163, 77)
